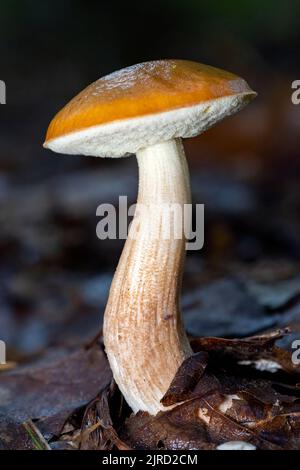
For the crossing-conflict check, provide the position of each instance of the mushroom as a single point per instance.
(145, 110)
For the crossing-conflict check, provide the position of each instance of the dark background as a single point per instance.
(54, 272)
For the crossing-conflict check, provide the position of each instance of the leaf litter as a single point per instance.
(73, 403)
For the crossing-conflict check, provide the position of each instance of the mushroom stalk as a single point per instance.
(143, 331)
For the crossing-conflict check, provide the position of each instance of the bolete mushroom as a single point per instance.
(145, 110)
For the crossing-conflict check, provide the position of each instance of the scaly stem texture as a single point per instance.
(143, 332)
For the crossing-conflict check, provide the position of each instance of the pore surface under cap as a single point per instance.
(143, 105)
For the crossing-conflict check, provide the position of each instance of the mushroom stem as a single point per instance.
(143, 331)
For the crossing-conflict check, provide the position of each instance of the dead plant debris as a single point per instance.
(218, 395)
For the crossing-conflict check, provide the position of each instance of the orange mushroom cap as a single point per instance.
(143, 90)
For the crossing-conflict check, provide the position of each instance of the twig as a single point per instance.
(36, 436)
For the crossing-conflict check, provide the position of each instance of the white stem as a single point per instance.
(143, 332)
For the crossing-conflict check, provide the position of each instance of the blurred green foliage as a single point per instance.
(275, 19)
(270, 18)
